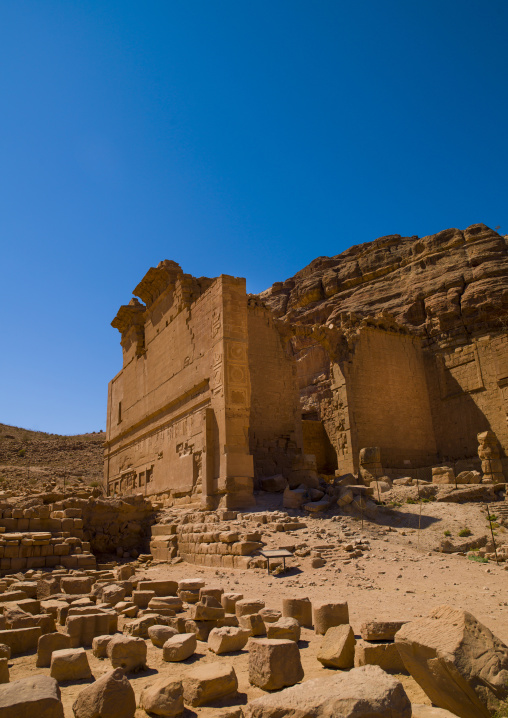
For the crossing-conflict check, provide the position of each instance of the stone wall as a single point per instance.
(184, 422)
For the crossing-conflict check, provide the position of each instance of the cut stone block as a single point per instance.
(70, 664)
(208, 683)
(163, 698)
(180, 647)
(227, 639)
(21, 640)
(127, 652)
(274, 664)
(4, 670)
(247, 606)
(253, 623)
(384, 655)
(161, 588)
(327, 615)
(110, 696)
(366, 692)
(338, 648)
(456, 660)
(160, 634)
(270, 615)
(287, 628)
(48, 643)
(100, 646)
(229, 601)
(141, 599)
(34, 697)
(299, 608)
(380, 630)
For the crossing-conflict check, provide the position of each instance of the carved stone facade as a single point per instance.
(207, 398)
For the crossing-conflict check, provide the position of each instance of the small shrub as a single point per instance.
(465, 532)
(447, 532)
(492, 517)
(94, 484)
(411, 501)
(22, 452)
(478, 559)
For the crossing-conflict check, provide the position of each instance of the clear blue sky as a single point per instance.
(234, 137)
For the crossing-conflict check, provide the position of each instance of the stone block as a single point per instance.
(100, 646)
(163, 698)
(166, 606)
(208, 683)
(227, 639)
(48, 643)
(127, 652)
(70, 664)
(326, 615)
(299, 608)
(253, 623)
(21, 640)
(380, 630)
(452, 642)
(201, 629)
(274, 664)
(229, 601)
(338, 648)
(160, 634)
(76, 584)
(34, 697)
(139, 627)
(384, 655)
(83, 629)
(287, 628)
(361, 693)
(159, 587)
(141, 599)
(4, 670)
(179, 648)
(246, 606)
(110, 696)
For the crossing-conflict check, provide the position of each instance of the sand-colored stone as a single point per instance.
(228, 639)
(35, 697)
(326, 615)
(299, 608)
(163, 698)
(127, 652)
(70, 664)
(273, 663)
(458, 662)
(48, 643)
(179, 648)
(110, 696)
(338, 648)
(209, 682)
(287, 628)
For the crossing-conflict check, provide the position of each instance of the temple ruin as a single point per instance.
(399, 346)
(207, 397)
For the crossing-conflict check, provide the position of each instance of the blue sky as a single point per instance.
(234, 137)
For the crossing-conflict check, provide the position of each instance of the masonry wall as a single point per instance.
(275, 435)
(178, 410)
(381, 398)
(469, 394)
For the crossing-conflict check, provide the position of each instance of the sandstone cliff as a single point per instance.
(446, 287)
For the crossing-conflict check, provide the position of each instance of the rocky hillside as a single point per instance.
(33, 459)
(446, 287)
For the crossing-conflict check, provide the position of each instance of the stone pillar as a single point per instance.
(488, 451)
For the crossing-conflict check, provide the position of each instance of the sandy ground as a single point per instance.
(398, 578)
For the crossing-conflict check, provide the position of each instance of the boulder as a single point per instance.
(287, 628)
(227, 639)
(208, 683)
(338, 648)
(180, 647)
(110, 696)
(327, 615)
(163, 698)
(70, 664)
(361, 693)
(127, 652)
(48, 643)
(299, 608)
(34, 697)
(459, 663)
(159, 634)
(274, 664)
(5, 651)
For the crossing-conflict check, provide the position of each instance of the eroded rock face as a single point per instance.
(449, 283)
(458, 662)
